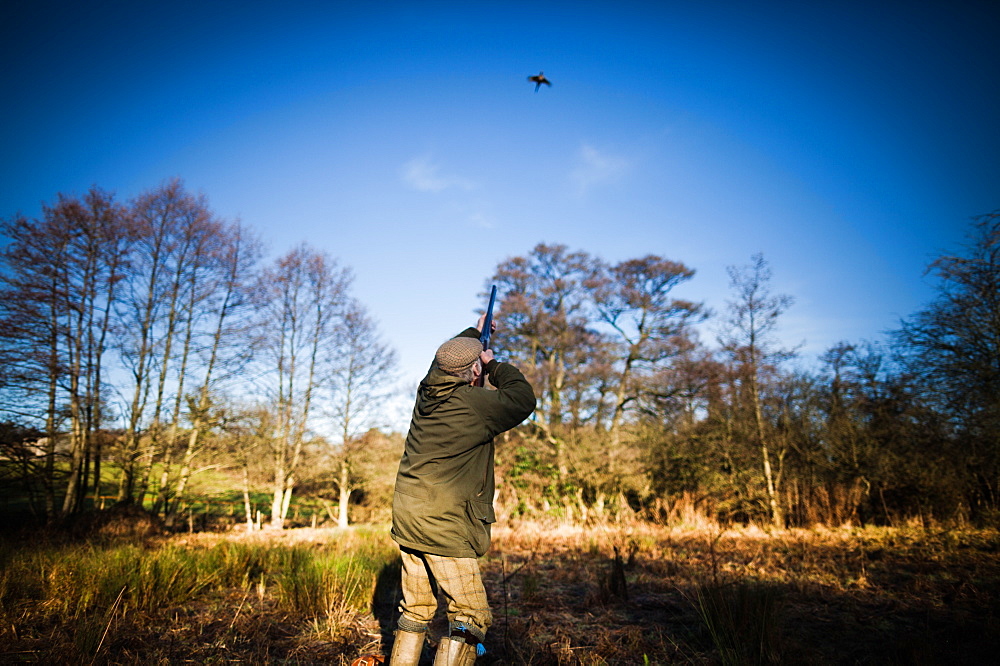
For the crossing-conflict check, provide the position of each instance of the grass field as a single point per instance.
(611, 594)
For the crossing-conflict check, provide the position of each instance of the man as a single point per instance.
(443, 504)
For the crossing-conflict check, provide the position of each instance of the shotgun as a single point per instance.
(484, 335)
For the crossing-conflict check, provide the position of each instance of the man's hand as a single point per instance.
(486, 357)
(479, 324)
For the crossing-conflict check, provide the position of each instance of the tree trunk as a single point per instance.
(777, 519)
(345, 493)
(278, 497)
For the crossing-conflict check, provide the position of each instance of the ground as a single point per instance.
(563, 594)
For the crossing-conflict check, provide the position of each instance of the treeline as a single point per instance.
(639, 413)
(151, 334)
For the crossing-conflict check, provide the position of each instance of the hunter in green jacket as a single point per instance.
(443, 503)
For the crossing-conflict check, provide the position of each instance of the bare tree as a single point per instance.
(953, 347)
(304, 294)
(59, 294)
(634, 298)
(173, 231)
(543, 302)
(32, 304)
(544, 310)
(750, 342)
(98, 242)
(361, 377)
(224, 341)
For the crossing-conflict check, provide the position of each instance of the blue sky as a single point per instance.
(850, 143)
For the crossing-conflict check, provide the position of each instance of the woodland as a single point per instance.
(688, 490)
(150, 356)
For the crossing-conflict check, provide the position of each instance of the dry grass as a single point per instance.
(744, 596)
(612, 594)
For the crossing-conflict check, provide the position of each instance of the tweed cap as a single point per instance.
(458, 354)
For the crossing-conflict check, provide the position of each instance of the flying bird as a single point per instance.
(539, 79)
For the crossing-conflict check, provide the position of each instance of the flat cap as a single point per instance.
(458, 354)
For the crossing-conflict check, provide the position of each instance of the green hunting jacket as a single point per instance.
(443, 502)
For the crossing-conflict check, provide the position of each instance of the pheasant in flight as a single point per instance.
(539, 79)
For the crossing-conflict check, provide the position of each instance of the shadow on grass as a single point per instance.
(386, 597)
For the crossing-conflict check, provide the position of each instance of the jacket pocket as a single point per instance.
(481, 515)
(417, 490)
(482, 511)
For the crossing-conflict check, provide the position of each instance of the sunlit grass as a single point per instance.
(93, 595)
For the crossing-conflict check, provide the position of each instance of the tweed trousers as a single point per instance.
(457, 579)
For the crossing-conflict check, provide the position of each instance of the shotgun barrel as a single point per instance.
(484, 335)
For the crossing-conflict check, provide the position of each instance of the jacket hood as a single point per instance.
(435, 388)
